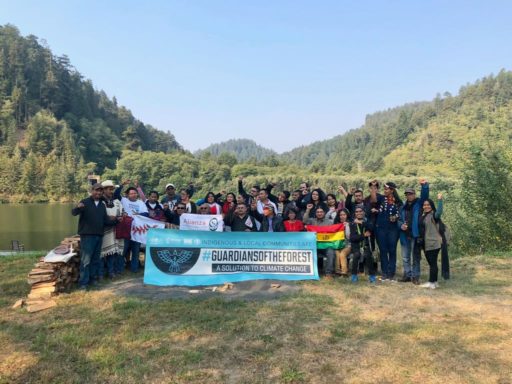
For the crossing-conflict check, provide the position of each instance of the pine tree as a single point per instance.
(29, 182)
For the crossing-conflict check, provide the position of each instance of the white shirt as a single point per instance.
(133, 207)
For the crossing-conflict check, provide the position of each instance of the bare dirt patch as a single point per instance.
(244, 290)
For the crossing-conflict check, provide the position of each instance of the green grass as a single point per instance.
(328, 332)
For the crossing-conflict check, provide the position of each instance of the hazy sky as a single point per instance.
(283, 73)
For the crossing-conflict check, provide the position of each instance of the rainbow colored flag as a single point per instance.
(328, 236)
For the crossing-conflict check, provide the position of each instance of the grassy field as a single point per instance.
(330, 332)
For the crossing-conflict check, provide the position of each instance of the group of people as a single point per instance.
(373, 225)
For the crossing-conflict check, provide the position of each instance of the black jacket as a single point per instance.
(93, 218)
(277, 224)
(357, 238)
(238, 224)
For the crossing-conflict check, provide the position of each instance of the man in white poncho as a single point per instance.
(111, 248)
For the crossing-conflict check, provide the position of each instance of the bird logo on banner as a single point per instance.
(174, 258)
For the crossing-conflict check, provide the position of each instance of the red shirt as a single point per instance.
(297, 226)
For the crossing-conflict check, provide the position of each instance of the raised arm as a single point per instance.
(241, 190)
(140, 191)
(439, 211)
(271, 197)
(305, 218)
(190, 189)
(117, 192)
(425, 190)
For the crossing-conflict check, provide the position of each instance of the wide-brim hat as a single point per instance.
(108, 183)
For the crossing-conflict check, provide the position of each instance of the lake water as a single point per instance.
(37, 226)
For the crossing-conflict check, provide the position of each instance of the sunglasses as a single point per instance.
(180, 207)
(204, 208)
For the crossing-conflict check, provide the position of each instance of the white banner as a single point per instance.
(141, 225)
(193, 222)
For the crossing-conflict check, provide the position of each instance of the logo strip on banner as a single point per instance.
(190, 258)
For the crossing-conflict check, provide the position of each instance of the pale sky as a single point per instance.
(283, 73)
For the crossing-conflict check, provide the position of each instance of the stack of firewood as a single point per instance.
(48, 279)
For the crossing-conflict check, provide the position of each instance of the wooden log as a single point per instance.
(44, 289)
(41, 305)
(40, 295)
(44, 284)
(18, 304)
(44, 265)
(40, 279)
(40, 272)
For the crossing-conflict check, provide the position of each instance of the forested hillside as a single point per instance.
(418, 138)
(55, 127)
(242, 149)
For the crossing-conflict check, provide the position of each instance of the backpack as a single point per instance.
(445, 232)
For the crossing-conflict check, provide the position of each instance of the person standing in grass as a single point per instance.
(341, 266)
(386, 228)
(431, 238)
(91, 226)
(360, 233)
(409, 232)
(111, 248)
(132, 205)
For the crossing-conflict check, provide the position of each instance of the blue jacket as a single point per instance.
(382, 222)
(416, 209)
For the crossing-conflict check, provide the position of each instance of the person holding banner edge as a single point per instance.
(318, 221)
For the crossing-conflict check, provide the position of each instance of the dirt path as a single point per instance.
(246, 290)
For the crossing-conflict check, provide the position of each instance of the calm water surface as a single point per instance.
(37, 226)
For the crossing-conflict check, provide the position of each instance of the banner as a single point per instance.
(329, 236)
(193, 222)
(141, 225)
(175, 257)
